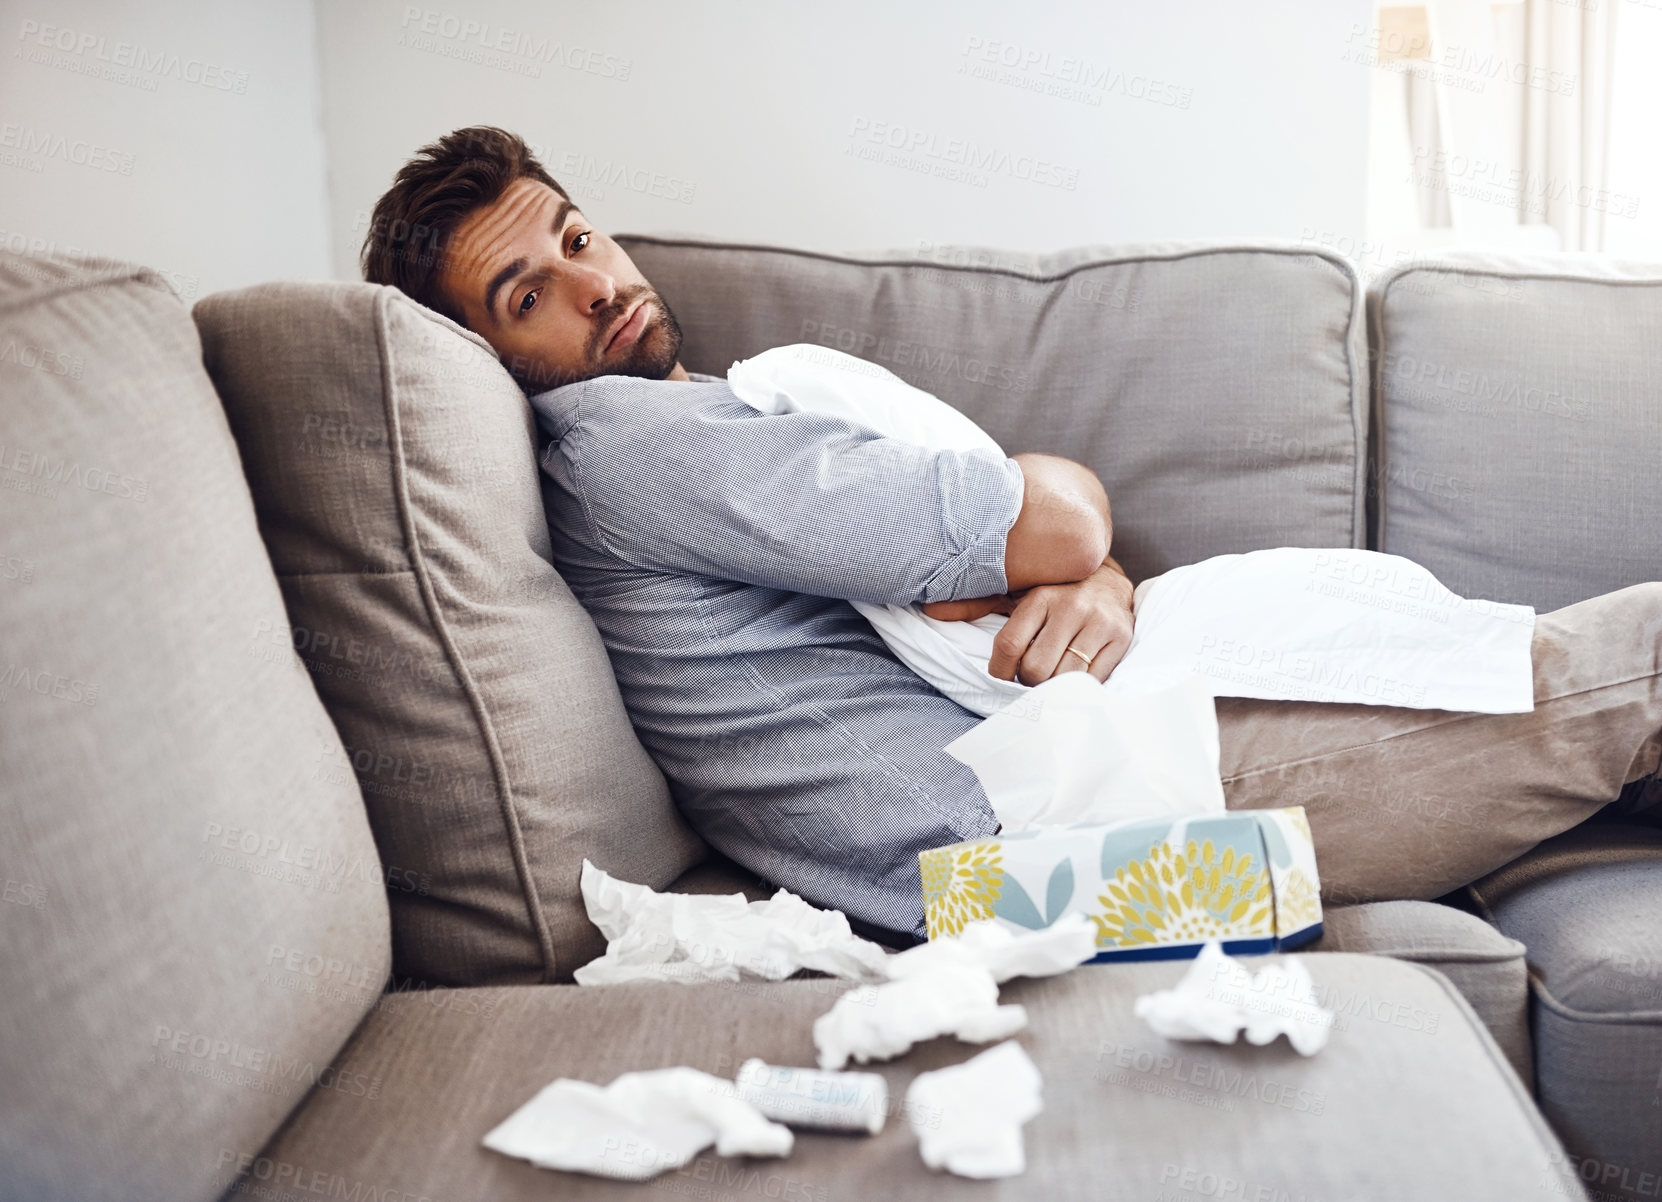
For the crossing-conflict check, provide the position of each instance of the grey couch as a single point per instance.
(302, 739)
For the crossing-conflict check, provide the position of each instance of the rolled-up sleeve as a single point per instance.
(703, 484)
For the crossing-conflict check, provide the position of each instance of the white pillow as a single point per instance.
(1287, 623)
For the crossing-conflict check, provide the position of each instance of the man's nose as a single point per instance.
(594, 289)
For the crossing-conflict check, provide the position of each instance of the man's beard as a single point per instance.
(655, 351)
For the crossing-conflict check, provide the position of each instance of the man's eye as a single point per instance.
(583, 238)
(526, 305)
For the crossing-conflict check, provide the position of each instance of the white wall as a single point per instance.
(747, 119)
(1635, 232)
(184, 134)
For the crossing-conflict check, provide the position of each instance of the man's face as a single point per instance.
(557, 299)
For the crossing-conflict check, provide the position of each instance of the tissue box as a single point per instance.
(1156, 888)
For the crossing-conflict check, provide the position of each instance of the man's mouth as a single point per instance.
(629, 328)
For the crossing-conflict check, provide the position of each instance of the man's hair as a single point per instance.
(413, 223)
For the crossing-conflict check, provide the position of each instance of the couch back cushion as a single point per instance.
(195, 917)
(1518, 411)
(1220, 391)
(393, 463)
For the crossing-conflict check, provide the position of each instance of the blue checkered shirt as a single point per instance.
(716, 549)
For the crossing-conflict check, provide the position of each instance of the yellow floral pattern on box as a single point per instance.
(1299, 822)
(1191, 895)
(1300, 906)
(960, 885)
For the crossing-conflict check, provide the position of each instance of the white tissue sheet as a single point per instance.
(1218, 998)
(1306, 624)
(948, 986)
(640, 1125)
(716, 937)
(1070, 752)
(968, 1118)
(1294, 624)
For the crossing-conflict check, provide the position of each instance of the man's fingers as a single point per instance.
(1010, 644)
(1108, 658)
(1105, 642)
(1071, 621)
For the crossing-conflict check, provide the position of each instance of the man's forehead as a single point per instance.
(483, 236)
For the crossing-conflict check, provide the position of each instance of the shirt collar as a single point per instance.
(557, 408)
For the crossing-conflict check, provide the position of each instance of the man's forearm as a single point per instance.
(1064, 529)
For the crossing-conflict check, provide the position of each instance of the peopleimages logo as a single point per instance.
(43, 144)
(1065, 77)
(929, 360)
(146, 65)
(24, 466)
(42, 359)
(877, 138)
(484, 37)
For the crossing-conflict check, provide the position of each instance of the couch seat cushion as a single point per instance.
(1386, 1110)
(1588, 906)
(1483, 964)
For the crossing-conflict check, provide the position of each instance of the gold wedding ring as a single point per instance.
(1080, 654)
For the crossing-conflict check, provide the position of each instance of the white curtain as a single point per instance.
(1569, 49)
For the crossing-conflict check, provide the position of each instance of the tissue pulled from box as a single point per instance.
(968, 1118)
(640, 1125)
(948, 987)
(691, 938)
(1219, 998)
(1071, 752)
(1332, 625)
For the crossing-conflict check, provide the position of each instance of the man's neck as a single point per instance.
(678, 373)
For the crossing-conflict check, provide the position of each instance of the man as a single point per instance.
(717, 549)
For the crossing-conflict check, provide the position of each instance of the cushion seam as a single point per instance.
(435, 614)
(1454, 269)
(39, 294)
(1338, 264)
(1452, 958)
(1361, 400)
(1538, 986)
(1622, 1018)
(344, 572)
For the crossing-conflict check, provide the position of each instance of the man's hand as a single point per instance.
(1092, 615)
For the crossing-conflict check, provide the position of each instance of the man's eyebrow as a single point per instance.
(518, 265)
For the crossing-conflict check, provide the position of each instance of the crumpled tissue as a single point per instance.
(1219, 997)
(948, 986)
(1071, 752)
(968, 1118)
(637, 1127)
(690, 938)
(1285, 623)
